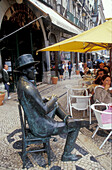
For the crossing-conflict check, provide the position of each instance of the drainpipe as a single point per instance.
(31, 42)
(17, 45)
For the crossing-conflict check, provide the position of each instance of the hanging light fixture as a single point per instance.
(19, 1)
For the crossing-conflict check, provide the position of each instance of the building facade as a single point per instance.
(29, 25)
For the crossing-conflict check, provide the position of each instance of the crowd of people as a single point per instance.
(63, 69)
(101, 74)
(102, 91)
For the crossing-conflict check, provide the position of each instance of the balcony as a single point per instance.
(74, 19)
(70, 16)
(61, 9)
(87, 9)
(80, 24)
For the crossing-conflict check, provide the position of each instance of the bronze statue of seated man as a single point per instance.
(40, 115)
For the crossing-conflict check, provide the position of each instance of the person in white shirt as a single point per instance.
(81, 69)
(5, 78)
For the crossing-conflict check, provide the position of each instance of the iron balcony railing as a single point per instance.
(70, 16)
(76, 21)
(80, 24)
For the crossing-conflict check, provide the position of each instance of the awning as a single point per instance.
(56, 19)
(99, 53)
(106, 56)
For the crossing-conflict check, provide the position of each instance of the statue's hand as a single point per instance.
(67, 117)
(55, 98)
(52, 97)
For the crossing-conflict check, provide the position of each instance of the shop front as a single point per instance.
(26, 27)
(18, 38)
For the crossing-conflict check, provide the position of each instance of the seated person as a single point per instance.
(106, 70)
(40, 115)
(102, 93)
(108, 65)
(101, 65)
(94, 72)
(89, 64)
(86, 69)
(99, 75)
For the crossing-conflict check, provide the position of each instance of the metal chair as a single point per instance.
(28, 138)
(80, 103)
(74, 90)
(81, 82)
(68, 87)
(104, 119)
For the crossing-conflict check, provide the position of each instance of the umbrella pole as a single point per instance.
(111, 65)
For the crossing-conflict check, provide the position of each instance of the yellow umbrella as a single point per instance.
(95, 39)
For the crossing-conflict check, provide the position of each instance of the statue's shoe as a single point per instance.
(71, 157)
(77, 123)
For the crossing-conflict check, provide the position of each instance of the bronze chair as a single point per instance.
(28, 138)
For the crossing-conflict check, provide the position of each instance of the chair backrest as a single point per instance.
(82, 101)
(22, 120)
(76, 92)
(104, 118)
(69, 89)
(81, 82)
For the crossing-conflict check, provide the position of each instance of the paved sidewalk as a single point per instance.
(10, 139)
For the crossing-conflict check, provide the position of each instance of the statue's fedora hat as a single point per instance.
(25, 60)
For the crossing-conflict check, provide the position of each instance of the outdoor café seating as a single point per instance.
(80, 103)
(104, 119)
(82, 83)
(88, 79)
(68, 87)
(75, 90)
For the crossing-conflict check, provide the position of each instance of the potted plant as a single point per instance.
(77, 72)
(54, 79)
(2, 96)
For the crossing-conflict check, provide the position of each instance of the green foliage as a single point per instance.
(53, 76)
(2, 92)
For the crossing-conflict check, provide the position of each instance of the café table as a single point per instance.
(88, 81)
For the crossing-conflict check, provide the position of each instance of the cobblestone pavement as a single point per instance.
(10, 139)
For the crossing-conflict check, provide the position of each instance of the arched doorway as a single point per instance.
(53, 56)
(26, 40)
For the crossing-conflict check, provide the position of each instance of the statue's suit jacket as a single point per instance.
(36, 110)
